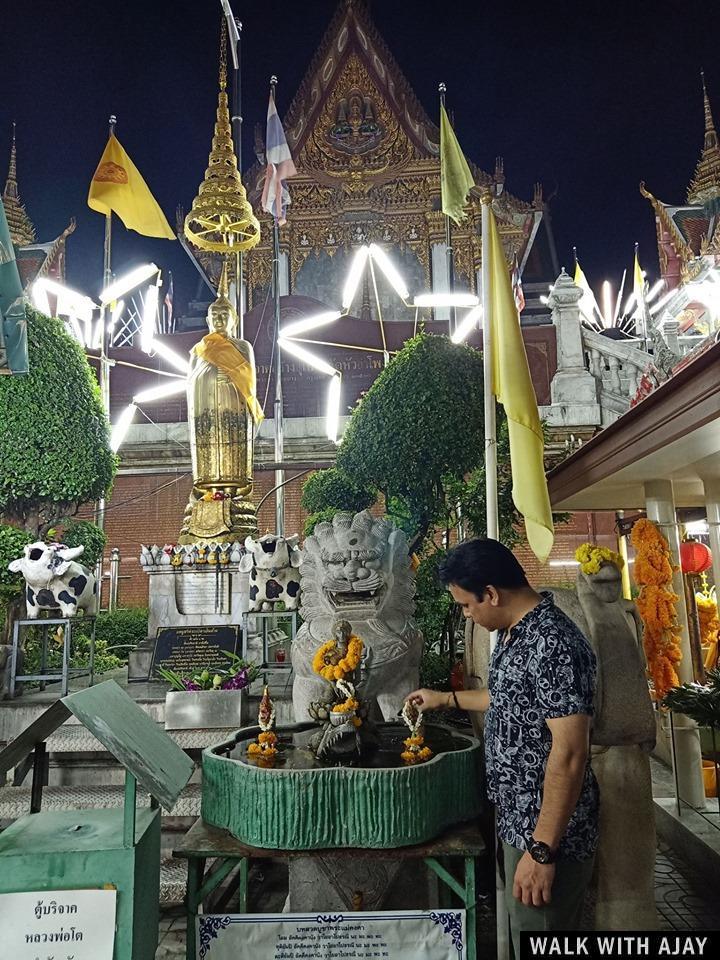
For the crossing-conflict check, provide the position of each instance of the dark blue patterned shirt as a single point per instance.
(543, 668)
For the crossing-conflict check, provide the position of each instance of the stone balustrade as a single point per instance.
(617, 367)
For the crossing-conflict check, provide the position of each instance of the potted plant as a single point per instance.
(209, 699)
(701, 702)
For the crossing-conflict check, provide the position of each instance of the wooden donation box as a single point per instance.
(46, 853)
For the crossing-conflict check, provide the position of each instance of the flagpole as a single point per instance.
(491, 489)
(105, 362)
(278, 406)
(449, 253)
(234, 37)
(491, 503)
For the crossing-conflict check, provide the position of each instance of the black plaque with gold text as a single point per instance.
(187, 650)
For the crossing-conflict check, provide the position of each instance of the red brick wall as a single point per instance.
(148, 508)
(583, 527)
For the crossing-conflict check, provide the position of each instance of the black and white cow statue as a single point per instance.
(272, 563)
(53, 579)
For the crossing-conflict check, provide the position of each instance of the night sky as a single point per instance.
(589, 98)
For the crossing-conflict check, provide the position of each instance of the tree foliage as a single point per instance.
(334, 488)
(88, 534)
(12, 542)
(54, 437)
(418, 437)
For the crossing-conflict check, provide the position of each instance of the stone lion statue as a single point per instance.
(357, 568)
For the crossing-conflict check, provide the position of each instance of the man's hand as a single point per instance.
(428, 699)
(533, 881)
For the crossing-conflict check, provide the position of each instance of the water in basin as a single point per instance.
(294, 753)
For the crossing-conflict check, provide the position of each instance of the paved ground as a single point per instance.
(683, 900)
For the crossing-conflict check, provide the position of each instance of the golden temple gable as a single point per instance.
(367, 156)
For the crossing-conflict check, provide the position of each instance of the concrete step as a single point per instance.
(16, 715)
(74, 738)
(15, 801)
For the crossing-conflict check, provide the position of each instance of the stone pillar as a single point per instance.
(671, 331)
(574, 390)
(660, 507)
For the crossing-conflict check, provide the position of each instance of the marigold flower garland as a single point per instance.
(591, 557)
(657, 605)
(709, 623)
(414, 751)
(333, 665)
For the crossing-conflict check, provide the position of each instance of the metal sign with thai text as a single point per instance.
(386, 935)
(58, 925)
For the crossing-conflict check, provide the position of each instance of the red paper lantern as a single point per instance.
(695, 557)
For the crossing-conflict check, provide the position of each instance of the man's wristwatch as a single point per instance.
(540, 852)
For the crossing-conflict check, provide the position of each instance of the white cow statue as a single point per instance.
(54, 580)
(272, 563)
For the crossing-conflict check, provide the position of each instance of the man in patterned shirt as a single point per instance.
(539, 704)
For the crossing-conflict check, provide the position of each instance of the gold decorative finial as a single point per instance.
(21, 227)
(223, 55)
(221, 220)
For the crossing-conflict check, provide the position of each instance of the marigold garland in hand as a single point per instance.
(657, 605)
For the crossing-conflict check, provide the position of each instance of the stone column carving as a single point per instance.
(574, 390)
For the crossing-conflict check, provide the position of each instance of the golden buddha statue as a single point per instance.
(223, 413)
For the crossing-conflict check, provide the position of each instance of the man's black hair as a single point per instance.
(477, 564)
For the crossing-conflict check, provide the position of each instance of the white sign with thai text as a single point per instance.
(58, 925)
(387, 935)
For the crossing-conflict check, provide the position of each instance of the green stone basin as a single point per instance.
(302, 803)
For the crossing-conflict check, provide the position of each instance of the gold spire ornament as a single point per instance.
(21, 227)
(221, 219)
(705, 187)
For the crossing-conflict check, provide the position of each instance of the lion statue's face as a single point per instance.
(356, 567)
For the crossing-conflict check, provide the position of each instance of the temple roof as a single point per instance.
(353, 54)
(704, 190)
(688, 231)
(352, 30)
(22, 230)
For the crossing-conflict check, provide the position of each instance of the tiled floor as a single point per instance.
(683, 901)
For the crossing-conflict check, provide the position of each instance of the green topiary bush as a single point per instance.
(54, 434)
(87, 533)
(12, 542)
(329, 491)
(124, 627)
(334, 488)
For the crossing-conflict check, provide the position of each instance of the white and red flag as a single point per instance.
(517, 289)
(280, 166)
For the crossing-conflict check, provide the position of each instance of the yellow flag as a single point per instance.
(118, 186)
(588, 304)
(455, 177)
(638, 283)
(217, 349)
(512, 385)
